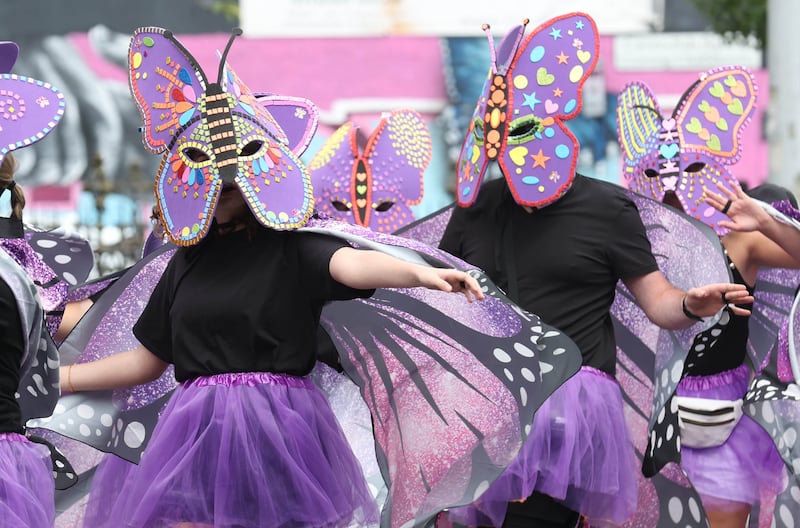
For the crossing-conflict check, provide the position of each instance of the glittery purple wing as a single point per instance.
(29, 110)
(9, 51)
(539, 154)
(452, 386)
(710, 119)
(472, 159)
(331, 171)
(774, 404)
(297, 117)
(774, 294)
(430, 229)
(639, 122)
(121, 421)
(69, 255)
(166, 83)
(652, 360)
(689, 254)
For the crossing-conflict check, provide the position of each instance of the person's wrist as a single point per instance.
(688, 313)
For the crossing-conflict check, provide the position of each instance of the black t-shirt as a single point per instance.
(568, 256)
(723, 346)
(12, 345)
(242, 303)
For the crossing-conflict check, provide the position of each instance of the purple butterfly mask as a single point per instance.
(211, 134)
(532, 88)
(675, 159)
(376, 188)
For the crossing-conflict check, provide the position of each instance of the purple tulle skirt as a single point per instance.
(732, 475)
(26, 487)
(579, 452)
(246, 450)
(111, 475)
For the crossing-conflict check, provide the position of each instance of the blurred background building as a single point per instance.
(354, 59)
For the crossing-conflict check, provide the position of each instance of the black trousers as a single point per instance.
(540, 511)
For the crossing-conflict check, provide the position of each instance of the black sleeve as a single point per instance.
(315, 252)
(453, 233)
(628, 247)
(154, 328)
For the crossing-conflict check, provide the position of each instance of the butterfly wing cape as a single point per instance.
(122, 421)
(452, 386)
(651, 362)
(773, 398)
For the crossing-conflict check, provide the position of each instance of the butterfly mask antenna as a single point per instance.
(645, 107)
(196, 65)
(234, 33)
(488, 30)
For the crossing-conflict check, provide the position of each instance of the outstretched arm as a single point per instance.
(664, 304)
(126, 369)
(365, 269)
(746, 215)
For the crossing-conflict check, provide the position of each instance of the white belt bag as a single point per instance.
(707, 423)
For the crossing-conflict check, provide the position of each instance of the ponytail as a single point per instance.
(8, 168)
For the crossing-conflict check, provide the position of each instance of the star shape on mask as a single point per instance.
(530, 101)
(539, 160)
(562, 59)
(555, 33)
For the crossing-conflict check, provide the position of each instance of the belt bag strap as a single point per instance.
(707, 423)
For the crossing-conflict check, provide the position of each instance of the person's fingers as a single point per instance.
(729, 195)
(739, 191)
(739, 311)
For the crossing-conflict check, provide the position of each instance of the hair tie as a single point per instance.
(11, 185)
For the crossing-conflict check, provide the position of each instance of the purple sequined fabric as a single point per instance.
(785, 207)
(54, 297)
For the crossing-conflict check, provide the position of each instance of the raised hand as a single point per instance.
(744, 213)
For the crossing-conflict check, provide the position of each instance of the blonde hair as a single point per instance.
(7, 170)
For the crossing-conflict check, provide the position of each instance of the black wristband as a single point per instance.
(687, 313)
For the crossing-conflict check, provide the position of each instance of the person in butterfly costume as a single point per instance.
(34, 310)
(245, 439)
(558, 242)
(678, 160)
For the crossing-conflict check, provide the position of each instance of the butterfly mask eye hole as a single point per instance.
(477, 131)
(695, 167)
(522, 130)
(251, 149)
(384, 206)
(651, 173)
(340, 206)
(195, 155)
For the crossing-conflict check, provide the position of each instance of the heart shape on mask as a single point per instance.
(550, 107)
(735, 107)
(362, 203)
(584, 56)
(694, 126)
(739, 89)
(668, 151)
(722, 124)
(713, 143)
(717, 89)
(703, 106)
(544, 78)
(517, 155)
(712, 114)
(704, 134)
(361, 190)
(361, 176)
(726, 98)
(668, 124)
